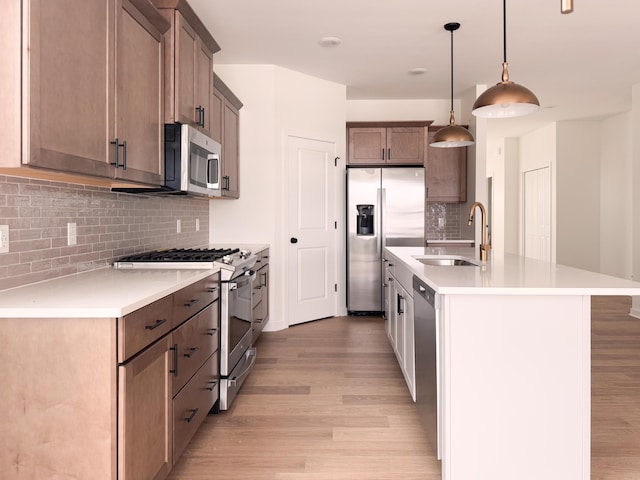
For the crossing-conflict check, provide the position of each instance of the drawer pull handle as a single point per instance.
(213, 385)
(175, 359)
(212, 332)
(212, 290)
(194, 412)
(191, 302)
(191, 351)
(156, 325)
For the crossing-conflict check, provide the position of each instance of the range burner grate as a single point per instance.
(181, 255)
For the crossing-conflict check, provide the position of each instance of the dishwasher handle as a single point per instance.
(423, 290)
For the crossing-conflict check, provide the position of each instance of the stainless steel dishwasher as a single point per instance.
(424, 300)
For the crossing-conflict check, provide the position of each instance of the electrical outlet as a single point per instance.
(179, 226)
(197, 224)
(72, 234)
(4, 238)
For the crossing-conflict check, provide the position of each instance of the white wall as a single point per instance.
(578, 194)
(616, 196)
(538, 150)
(401, 110)
(635, 209)
(496, 170)
(277, 102)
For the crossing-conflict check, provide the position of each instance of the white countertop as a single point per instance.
(106, 292)
(508, 275)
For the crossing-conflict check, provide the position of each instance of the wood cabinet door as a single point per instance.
(70, 90)
(186, 58)
(145, 418)
(139, 96)
(230, 152)
(446, 174)
(216, 109)
(367, 145)
(405, 145)
(203, 86)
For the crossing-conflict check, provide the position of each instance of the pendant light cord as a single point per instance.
(504, 29)
(452, 70)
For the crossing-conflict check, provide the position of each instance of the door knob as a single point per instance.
(293, 240)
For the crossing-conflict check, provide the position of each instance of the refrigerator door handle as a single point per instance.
(382, 201)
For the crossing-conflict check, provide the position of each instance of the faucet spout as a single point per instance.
(484, 246)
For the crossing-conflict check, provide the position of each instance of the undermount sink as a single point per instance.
(439, 260)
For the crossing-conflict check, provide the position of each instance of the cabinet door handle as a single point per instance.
(212, 331)
(388, 154)
(194, 412)
(116, 156)
(124, 155)
(383, 154)
(191, 352)
(400, 300)
(200, 115)
(227, 182)
(213, 385)
(175, 360)
(156, 325)
(191, 302)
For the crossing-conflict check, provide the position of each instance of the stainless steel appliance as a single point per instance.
(192, 164)
(385, 207)
(426, 348)
(237, 357)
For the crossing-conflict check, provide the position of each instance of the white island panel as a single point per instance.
(516, 378)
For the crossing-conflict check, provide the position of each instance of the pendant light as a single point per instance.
(505, 99)
(452, 135)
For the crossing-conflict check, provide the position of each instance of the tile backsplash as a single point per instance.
(109, 225)
(442, 221)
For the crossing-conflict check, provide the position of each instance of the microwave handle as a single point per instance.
(213, 159)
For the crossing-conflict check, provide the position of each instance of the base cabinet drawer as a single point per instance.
(194, 342)
(192, 404)
(190, 300)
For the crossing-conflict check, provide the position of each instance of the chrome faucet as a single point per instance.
(484, 246)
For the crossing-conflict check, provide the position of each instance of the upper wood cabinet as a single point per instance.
(394, 143)
(446, 173)
(91, 74)
(189, 66)
(225, 110)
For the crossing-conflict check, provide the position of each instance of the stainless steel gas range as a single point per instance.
(237, 356)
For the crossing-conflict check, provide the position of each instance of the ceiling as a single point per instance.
(580, 65)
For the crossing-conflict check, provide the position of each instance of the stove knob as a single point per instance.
(244, 254)
(228, 259)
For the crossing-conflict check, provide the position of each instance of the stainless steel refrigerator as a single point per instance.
(385, 207)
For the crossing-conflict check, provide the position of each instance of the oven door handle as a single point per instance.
(246, 277)
(238, 378)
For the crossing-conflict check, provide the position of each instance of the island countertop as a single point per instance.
(101, 293)
(507, 274)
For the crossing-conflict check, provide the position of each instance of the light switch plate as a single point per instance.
(72, 233)
(4, 238)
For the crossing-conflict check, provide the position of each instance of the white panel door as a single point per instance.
(311, 220)
(537, 214)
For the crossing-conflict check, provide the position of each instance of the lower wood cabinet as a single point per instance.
(260, 294)
(108, 398)
(145, 430)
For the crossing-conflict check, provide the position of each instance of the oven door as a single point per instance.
(235, 328)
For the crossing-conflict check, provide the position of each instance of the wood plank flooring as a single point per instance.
(327, 400)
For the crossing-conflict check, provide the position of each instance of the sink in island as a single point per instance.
(513, 348)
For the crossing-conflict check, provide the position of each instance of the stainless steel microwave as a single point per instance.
(191, 161)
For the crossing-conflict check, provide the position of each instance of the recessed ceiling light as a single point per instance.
(418, 71)
(329, 41)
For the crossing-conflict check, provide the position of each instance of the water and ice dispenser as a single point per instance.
(364, 222)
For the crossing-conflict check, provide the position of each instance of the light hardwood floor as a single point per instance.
(327, 401)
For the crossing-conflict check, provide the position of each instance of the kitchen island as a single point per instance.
(513, 362)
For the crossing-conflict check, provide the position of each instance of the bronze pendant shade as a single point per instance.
(452, 135)
(505, 99)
